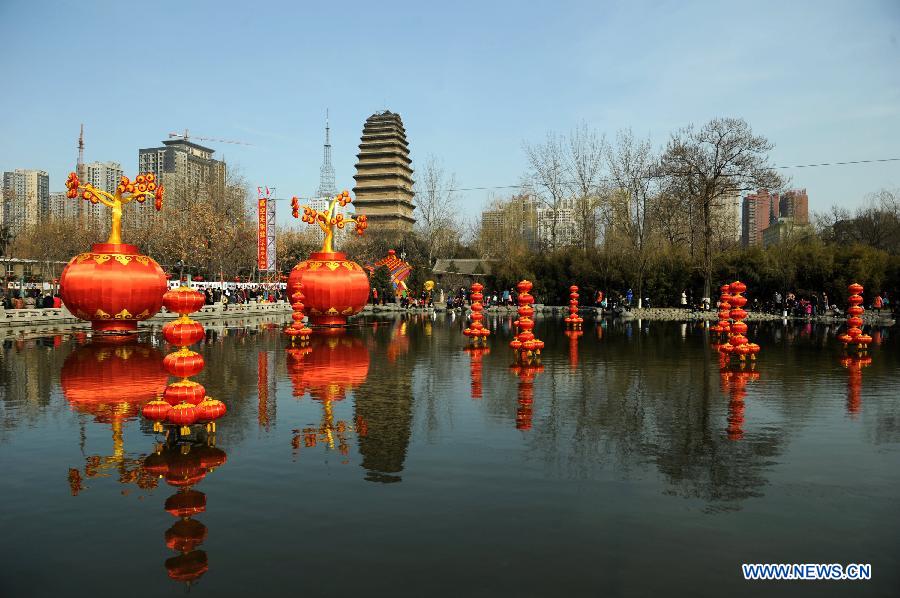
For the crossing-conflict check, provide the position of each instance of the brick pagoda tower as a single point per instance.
(383, 190)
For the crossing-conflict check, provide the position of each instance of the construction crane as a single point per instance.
(188, 137)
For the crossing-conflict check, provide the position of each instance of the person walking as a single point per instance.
(628, 297)
(878, 303)
(684, 301)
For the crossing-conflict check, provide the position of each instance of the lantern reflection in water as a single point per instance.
(573, 336)
(855, 365)
(183, 464)
(110, 381)
(734, 381)
(525, 410)
(326, 370)
(476, 353)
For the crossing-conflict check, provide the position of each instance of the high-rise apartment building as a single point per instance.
(61, 206)
(787, 213)
(26, 199)
(757, 211)
(187, 170)
(104, 176)
(794, 204)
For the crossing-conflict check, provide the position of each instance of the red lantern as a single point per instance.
(185, 535)
(113, 286)
(184, 363)
(184, 300)
(210, 410)
(184, 391)
(186, 503)
(334, 287)
(156, 411)
(184, 415)
(187, 567)
(183, 332)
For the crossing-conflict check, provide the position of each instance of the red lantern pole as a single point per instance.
(296, 329)
(573, 320)
(738, 344)
(187, 398)
(477, 331)
(854, 339)
(527, 348)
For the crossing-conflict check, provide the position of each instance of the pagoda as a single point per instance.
(384, 184)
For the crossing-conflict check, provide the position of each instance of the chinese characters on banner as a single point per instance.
(262, 260)
(265, 239)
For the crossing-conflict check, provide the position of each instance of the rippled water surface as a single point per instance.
(390, 461)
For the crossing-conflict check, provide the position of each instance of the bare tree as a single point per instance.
(548, 177)
(585, 170)
(631, 164)
(714, 163)
(436, 208)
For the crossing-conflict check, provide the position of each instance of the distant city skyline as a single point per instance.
(818, 79)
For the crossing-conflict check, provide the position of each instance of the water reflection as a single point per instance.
(734, 386)
(650, 422)
(385, 403)
(183, 463)
(110, 381)
(476, 355)
(326, 370)
(855, 365)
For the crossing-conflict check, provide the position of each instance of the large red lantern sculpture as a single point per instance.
(854, 339)
(334, 287)
(526, 346)
(114, 286)
(477, 332)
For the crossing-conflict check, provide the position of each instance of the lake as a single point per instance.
(389, 460)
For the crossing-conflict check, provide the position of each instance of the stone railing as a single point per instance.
(60, 315)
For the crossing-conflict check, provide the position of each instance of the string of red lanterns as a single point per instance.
(854, 339)
(526, 346)
(297, 329)
(737, 344)
(573, 320)
(184, 402)
(477, 331)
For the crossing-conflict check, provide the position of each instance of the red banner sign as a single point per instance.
(262, 258)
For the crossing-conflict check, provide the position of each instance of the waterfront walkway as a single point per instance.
(55, 318)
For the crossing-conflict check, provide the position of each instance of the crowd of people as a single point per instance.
(242, 294)
(31, 299)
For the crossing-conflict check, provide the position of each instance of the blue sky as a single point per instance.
(472, 81)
